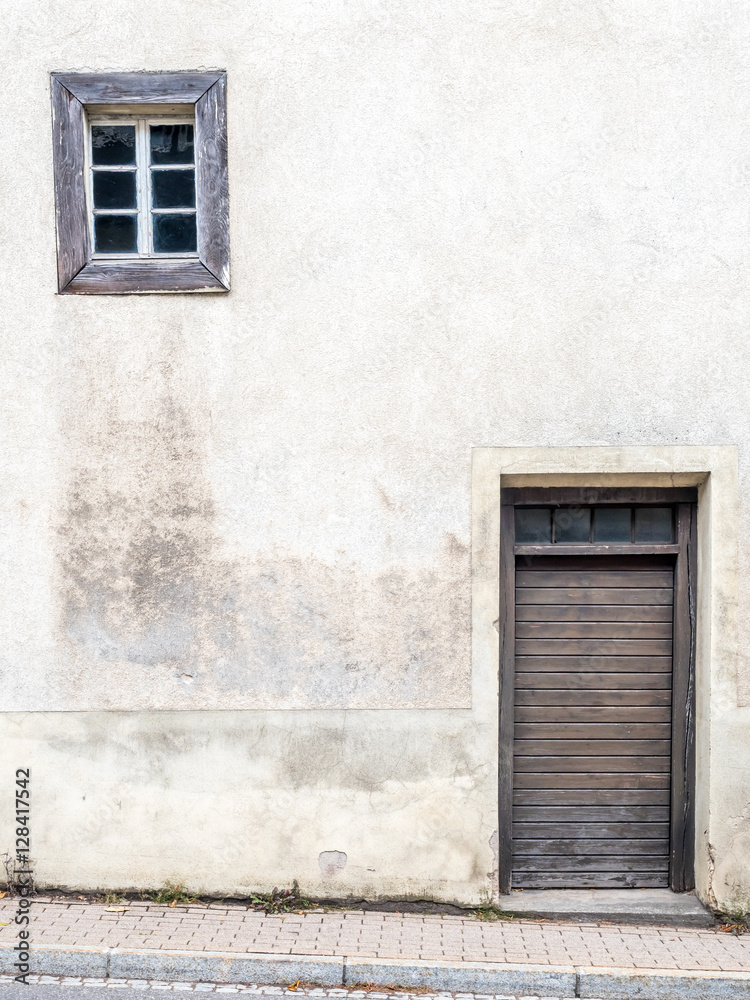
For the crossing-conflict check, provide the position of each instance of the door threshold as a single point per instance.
(621, 906)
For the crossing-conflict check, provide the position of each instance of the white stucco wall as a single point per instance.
(453, 225)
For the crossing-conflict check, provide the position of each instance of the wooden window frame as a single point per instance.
(685, 549)
(78, 273)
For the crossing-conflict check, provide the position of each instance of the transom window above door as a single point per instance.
(142, 187)
(585, 525)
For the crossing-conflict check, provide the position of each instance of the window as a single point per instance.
(141, 182)
(142, 187)
(578, 524)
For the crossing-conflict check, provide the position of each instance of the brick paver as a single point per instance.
(358, 934)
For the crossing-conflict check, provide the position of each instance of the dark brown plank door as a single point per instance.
(592, 735)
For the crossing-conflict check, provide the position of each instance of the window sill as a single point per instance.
(123, 277)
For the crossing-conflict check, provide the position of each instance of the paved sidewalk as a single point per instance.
(368, 934)
(227, 944)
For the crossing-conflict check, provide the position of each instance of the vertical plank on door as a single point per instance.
(507, 626)
(681, 856)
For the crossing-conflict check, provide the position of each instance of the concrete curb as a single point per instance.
(662, 984)
(60, 960)
(333, 970)
(178, 966)
(225, 967)
(464, 977)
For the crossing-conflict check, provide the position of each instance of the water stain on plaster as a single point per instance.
(456, 547)
(154, 614)
(140, 581)
(385, 499)
(299, 752)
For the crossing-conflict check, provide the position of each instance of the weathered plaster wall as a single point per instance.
(150, 589)
(452, 225)
(234, 802)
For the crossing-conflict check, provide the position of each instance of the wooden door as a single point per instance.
(592, 721)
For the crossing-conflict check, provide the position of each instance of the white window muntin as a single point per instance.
(143, 169)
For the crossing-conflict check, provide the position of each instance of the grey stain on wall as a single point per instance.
(154, 614)
(140, 582)
(330, 753)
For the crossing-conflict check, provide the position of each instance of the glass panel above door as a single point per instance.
(533, 525)
(572, 524)
(612, 524)
(577, 525)
(653, 524)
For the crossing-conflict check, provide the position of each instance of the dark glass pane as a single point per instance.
(612, 524)
(173, 188)
(174, 233)
(115, 233)
(113, 145)
(171, 144)
(533, 525)
(653, 524)
(572, 524)
(114, 189)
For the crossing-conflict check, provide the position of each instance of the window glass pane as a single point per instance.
(173, 188)
(612, 524)
(533, 525)
(115, 234)
(653, 524)
(572, 524)
(114, 189)
(113, 145)
(171, 144)
(174, 233)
